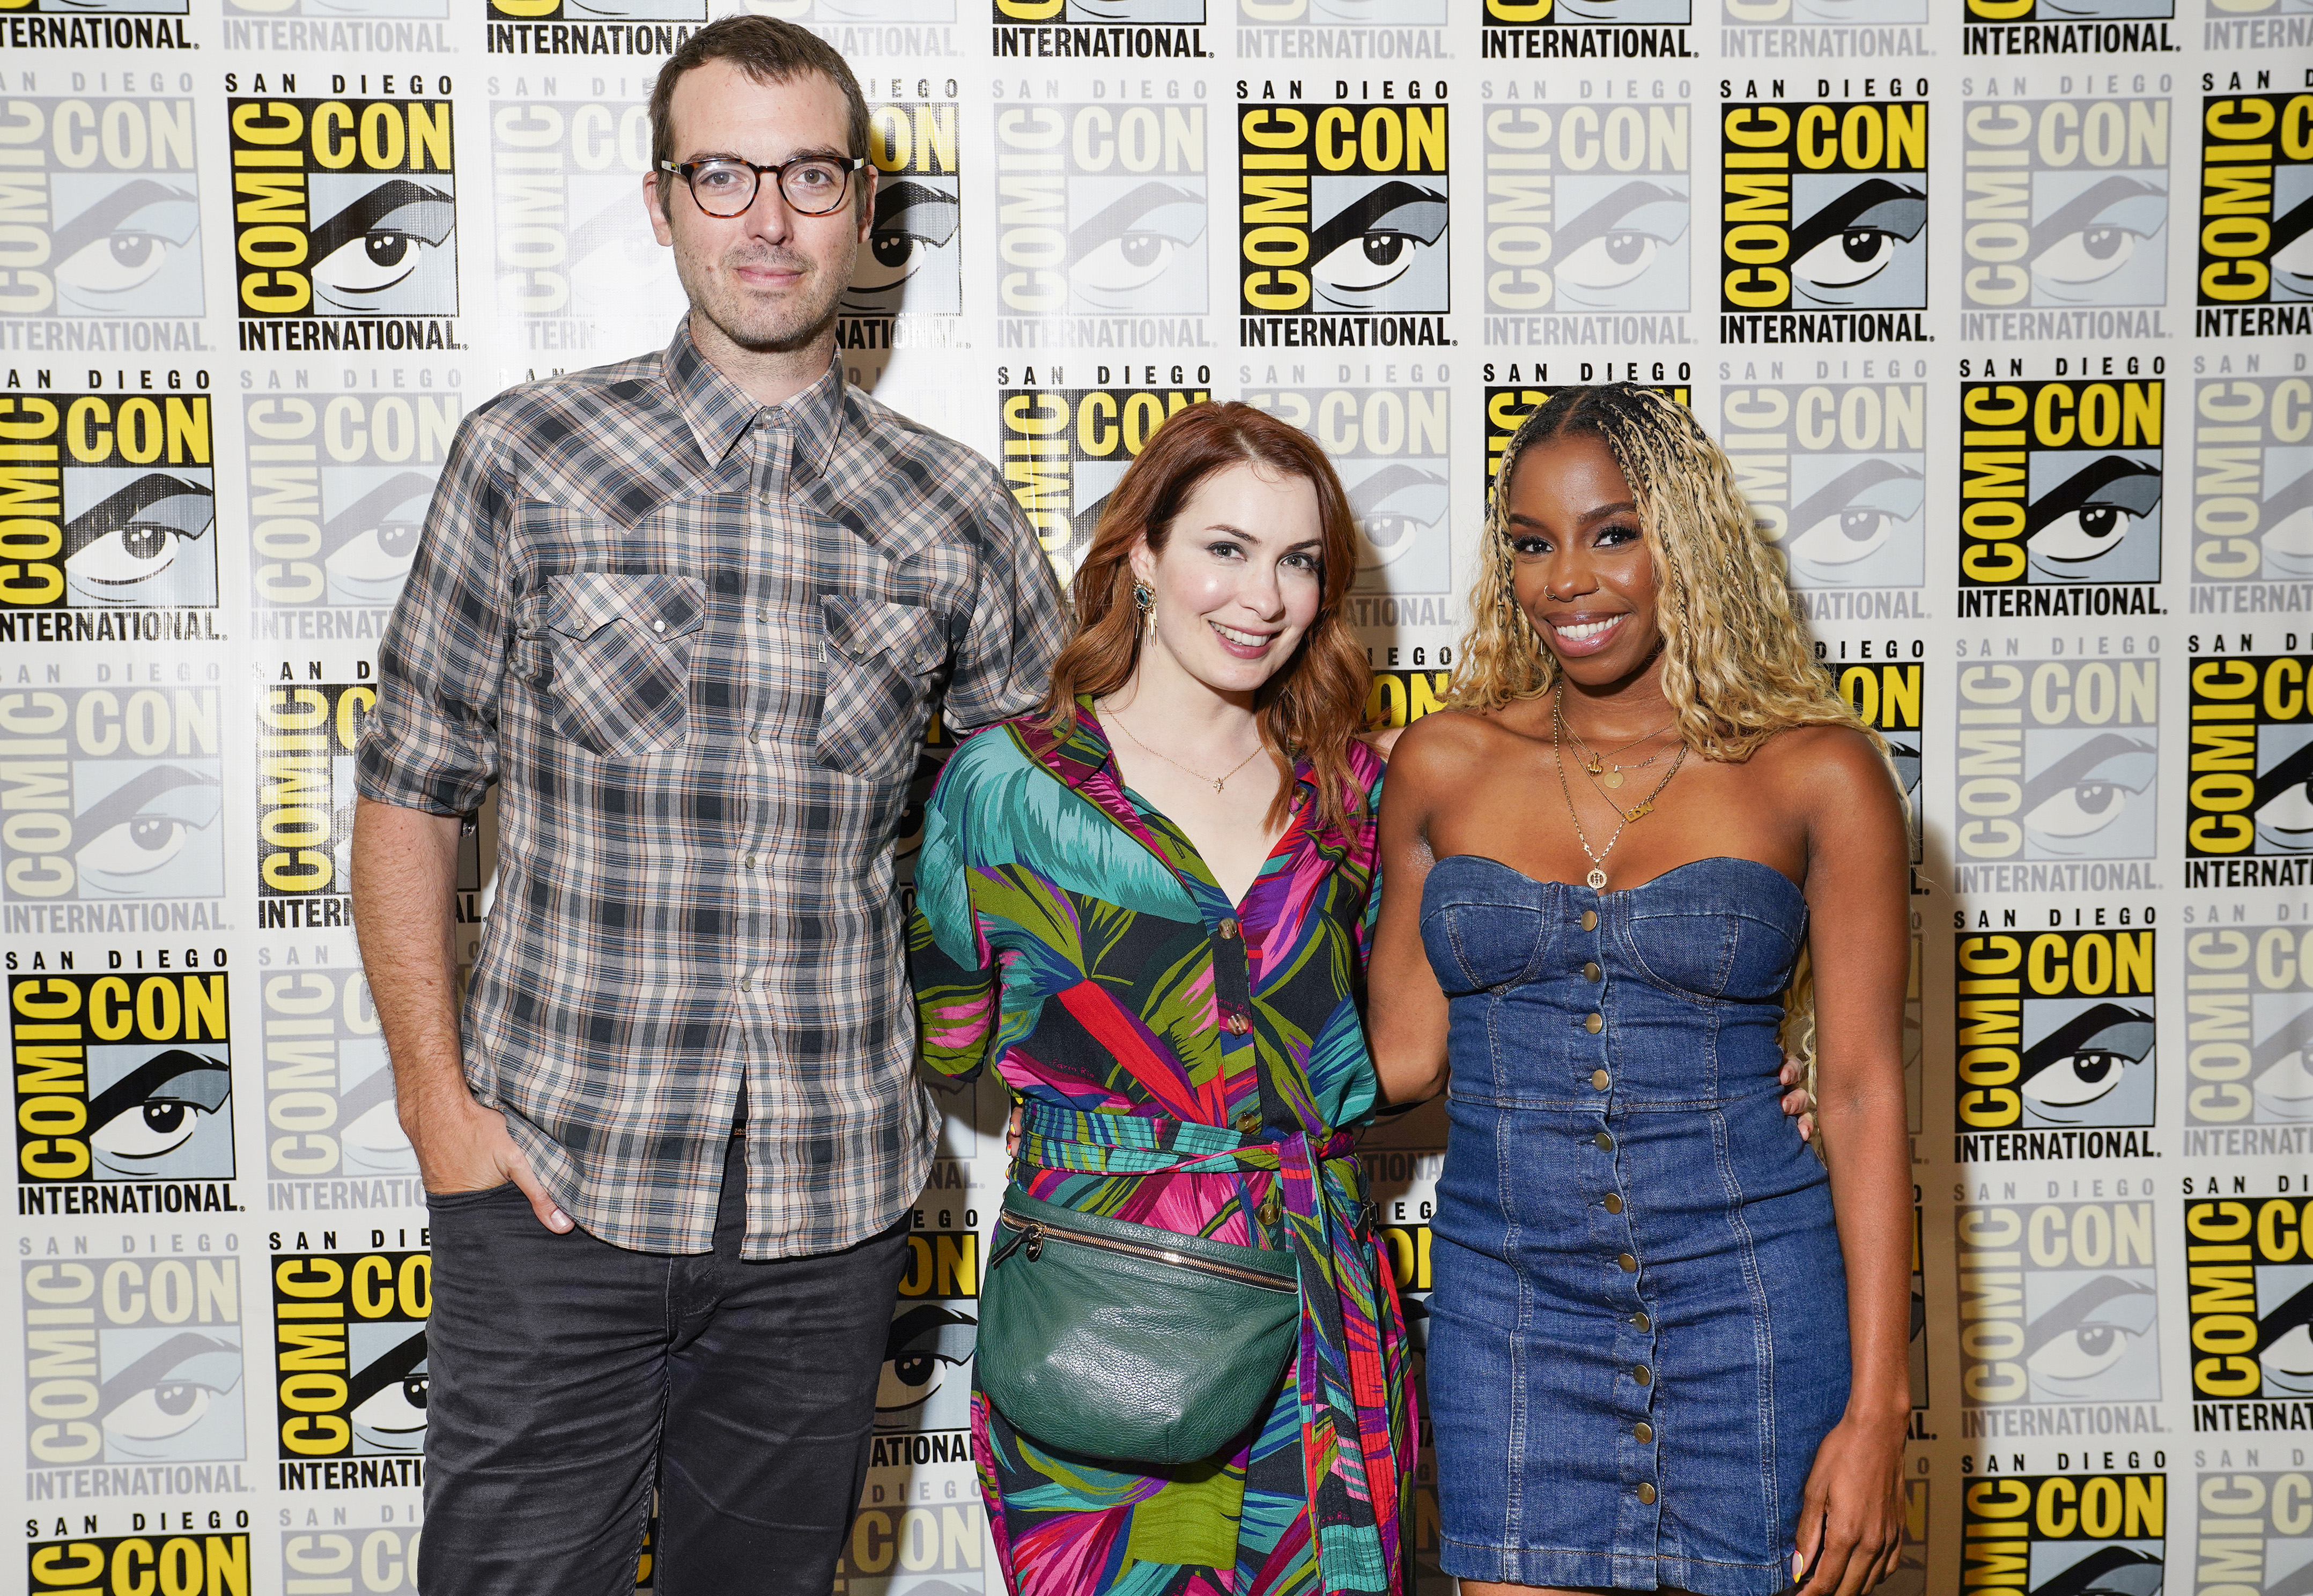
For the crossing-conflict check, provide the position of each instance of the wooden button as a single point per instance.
(1643, 1375)
(1613, 1204)
(1593, 1023)
(1646, 1494)
(1603, 1140)
(1590, 971)
(1599, 1078)
(1630, 1264)
(1590, 920)
(1643, 1431)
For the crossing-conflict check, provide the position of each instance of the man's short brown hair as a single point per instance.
(769, 52)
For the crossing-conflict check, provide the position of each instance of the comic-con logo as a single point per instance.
(1344, 214)
(132, 1360)
(2059, 1304)
(103, 208)
(2252, 485)
(1389, 447)
(1835, 475)
(2065, 1535)
(926, 1379)
(2256, 256)
(329, 1088)
(110, 499)
(1065, 450)
(1101, 214)
(2054, 1034)
(2249, 990)
(2252, 1532)
(600, 11)
(2060, 483)
(345, 208)
(1400, 698)
(1823, 208)
(573, 241)
(122, 1076)
(1586, 209)
(350, 1359)
(2067, 27)
(1515, 29)
(110, 794)
(1887, 698)
(339, 484)
(216, 1563)
(2056, 760)
(2251, 1305)
(384, 1560)
(306, 740)
(2067, 204)
(914, 258)
(2251, 790)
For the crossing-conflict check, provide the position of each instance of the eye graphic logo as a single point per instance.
(1816, 13)
(111, 795)
(2055, 1031)
(1389, 447)
(110, 502)
(1886, 698)
(2252, 1300)
(926, 1379)
(2256, 214)
(2060, 1299)
(1066, 450)
(2056, 759)
(1825, 206)
(2252, 766)
(2060, 483)
(2068, 10)
(858, 11)
(105, 206)
(136, 1562)
(2252, 1531)
(350, 1358)
(913, 260)
(1103, 211)
(2065, 1535)
(2252, 481)
(121, 1078)
(2068, 203)
(148, 1352)
(1835, 475)
(1603, 198)
(338, 486)
(343, 207)
(1343, 211)
(573, 245)
(2250, 991)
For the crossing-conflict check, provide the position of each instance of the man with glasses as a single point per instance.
(692, 613)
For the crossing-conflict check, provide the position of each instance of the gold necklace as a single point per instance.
(1218, 782)
(1596, 768)
(1596, 880)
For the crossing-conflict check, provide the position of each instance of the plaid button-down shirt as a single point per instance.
(698, 641)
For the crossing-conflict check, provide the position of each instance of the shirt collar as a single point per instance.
(719, 413)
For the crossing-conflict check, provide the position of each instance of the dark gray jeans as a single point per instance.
(569, 1376)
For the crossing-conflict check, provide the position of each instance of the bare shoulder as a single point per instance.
(1441, 746)
(1836, 769)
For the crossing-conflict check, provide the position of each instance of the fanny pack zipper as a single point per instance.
(1034, 1232)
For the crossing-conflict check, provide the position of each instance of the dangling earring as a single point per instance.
(1143, 599)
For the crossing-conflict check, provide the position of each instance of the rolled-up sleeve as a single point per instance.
(431, 742)
(1017, 622)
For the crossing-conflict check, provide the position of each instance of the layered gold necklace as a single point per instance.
(1596, 878)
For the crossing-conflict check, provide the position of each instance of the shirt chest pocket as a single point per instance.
(881, 661)
(618, 651)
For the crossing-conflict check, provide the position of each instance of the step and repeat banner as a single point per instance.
(2003, 309)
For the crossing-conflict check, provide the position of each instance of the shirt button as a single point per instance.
(1630, 1264)
(1590, 920)
(1590, 972)
(754, 736)
(750, 861)
(1271, 1207)
(1228, 931)
(1643, 1431)
(1593, 1023)
(1613, 1203)
(745, 984)
(1236, 1024)
(1646, 1494)
(658, 626)
(764, 616)
(1605, 1141)
(1599, 1078)
(1643, 1375)
(1248, 1122)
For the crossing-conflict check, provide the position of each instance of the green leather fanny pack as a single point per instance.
(1126, 1341)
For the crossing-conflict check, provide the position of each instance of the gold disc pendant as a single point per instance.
(1612, 778)
(1597, 880)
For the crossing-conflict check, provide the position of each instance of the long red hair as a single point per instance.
(1316, 702)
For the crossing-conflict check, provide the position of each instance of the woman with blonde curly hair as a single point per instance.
(1658, 1359)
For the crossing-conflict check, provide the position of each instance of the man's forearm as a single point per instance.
(405, 867)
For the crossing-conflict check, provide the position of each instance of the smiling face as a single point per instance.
(1238, 582)
(766, 280)
(1580, 564)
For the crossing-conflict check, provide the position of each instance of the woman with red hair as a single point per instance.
(1148, 906)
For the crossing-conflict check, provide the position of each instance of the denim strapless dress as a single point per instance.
(1638, 1333)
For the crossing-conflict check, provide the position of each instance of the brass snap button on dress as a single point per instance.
(1644, 1432)
(1590, 920)
(1643, 1375)
(1593, 1023)
(1599, 1078)
(1590, 972)
(1641, 1321)
(1646, 1494)
(1605, 1141)
(1613, 1204)
(1630, 1264)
